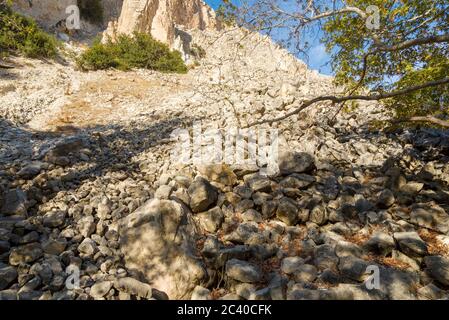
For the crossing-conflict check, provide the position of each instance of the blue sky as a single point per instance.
(317, 55)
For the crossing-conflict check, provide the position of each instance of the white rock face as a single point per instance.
(161, 17)
(46, 12)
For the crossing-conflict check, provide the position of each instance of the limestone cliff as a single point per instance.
(46, 12)
(160, 18)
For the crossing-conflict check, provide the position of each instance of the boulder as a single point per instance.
(295, 162)
(8, 275)
(158, 243)
(411, 244)
(430, 216)
(211, 220)
(243, 271)
(14, 203)
(202, 195)
(287, 211)
(27, 253)
(437, 267)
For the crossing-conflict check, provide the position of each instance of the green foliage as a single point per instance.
(138, 51)
(91, 10)
(349, 39)
(21, 34)
(227, 13)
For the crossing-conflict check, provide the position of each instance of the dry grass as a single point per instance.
(435, 246)
(361, 238)
(293, 248)
(217, 293)
(393, 263)
(270, 265)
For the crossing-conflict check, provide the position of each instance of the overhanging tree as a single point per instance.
(391, 50)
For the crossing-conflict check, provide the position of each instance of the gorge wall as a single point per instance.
(160, 18)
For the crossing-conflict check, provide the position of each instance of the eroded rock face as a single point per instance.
(158, 241)
(46, 12)
(161, 17)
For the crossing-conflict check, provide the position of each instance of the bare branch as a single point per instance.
(429, 119)
(415, 42)
(336, 99)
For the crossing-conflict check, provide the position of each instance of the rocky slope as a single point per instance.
(86, 183)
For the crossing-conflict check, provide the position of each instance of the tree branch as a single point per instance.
(430, 119)
(414, 42)
(335, 99)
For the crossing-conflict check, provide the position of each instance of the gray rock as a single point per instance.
(244, 205)
(318, 215)
(399, 256)
(86, 226)
(290, 265)
(54, 246)
(220, 173)
(430, 292)
(14, 203)
(134, 287)
(329, 187)
(309, 294)
(345, 249)
(353, 268)
(10, 294)
(346, 291)
(305, 273)
(200, 293)
(380, 243)
(295, 162)
(32, 236)
(243, 271)
(261, 294)
(243, 191)
(430, 216)
(330, 277)
(287, 211)
(412, 187)
(25, 254)
(8, 275)
(231, 296)
(88, 247)
(163, 192)
(54, 219)
(104, 208)
(411, 244)
(437, 267)
(298, 181)
(243, 233)
(43, 270)
(398, 285)
(385, 199)
(211, 220)
(100, 289)
(4, 246)
(269, 209)
(31, 170)
(258, 183)
(252, 215)
(202, 195)
(159, 240)
(236, 252)
(325, 257)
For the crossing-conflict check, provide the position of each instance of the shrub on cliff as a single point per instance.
(22, 35)
(138, 51)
